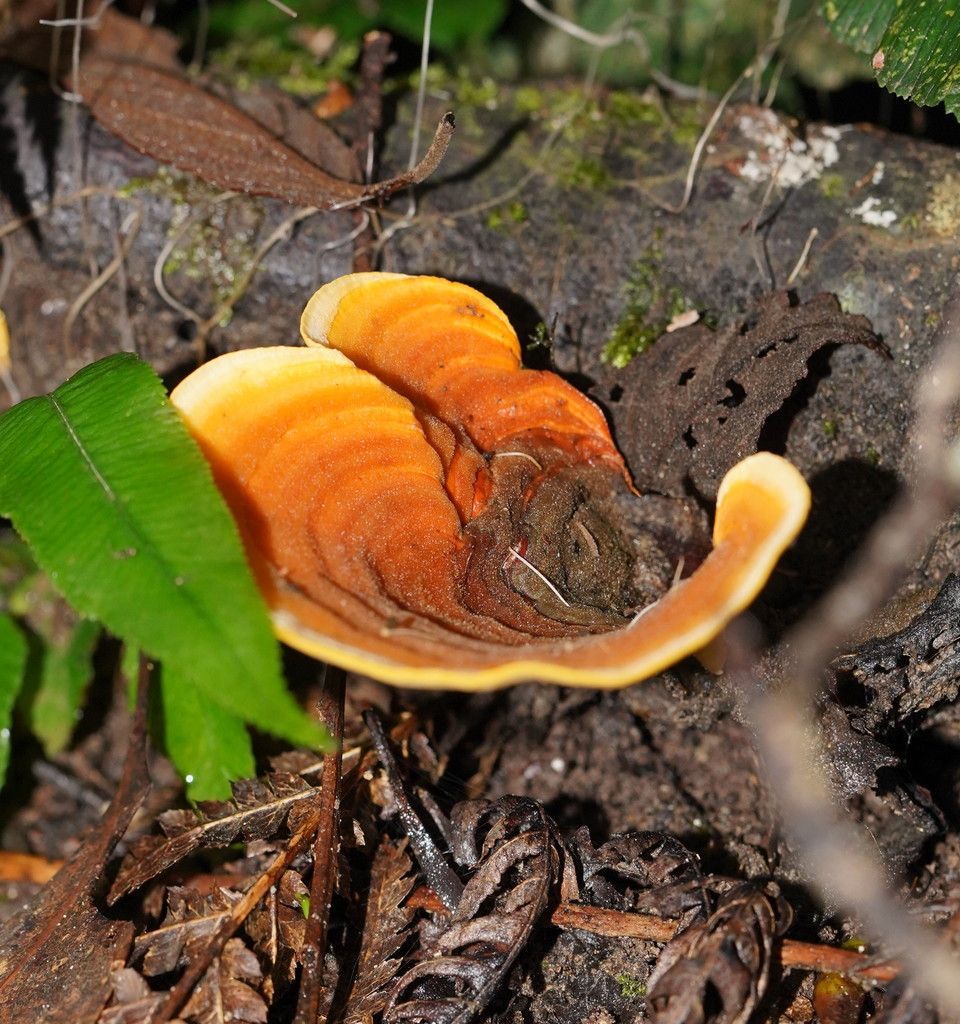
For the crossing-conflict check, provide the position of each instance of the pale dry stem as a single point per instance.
(123, 242)
(835, 851)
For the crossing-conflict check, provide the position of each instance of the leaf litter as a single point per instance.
(257, 811)
(412, 954)
(406, 956)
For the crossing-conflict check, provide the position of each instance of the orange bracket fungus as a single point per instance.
(419, 508)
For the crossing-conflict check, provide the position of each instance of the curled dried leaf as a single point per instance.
(501, 902)
(640, 871)
(716, 971)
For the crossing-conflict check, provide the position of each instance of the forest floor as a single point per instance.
(570, 211)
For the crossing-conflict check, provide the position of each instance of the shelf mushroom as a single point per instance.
(399, 482)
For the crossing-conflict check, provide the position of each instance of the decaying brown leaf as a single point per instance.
(386, 921)
(132, 1001)
(173, 120)
(226, 992)
(190, 920)
(298, 127)
(501, 902)
(57, 952)
(258, 810)
(26, 40)
(716, 390)
(716, 971)
(639, 871)
(278, 928)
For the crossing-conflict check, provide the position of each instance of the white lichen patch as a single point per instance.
(777, 153)
(871, 212)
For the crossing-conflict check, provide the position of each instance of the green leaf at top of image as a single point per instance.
(13, 661)
(915, 47)
(103, 480)
(859, 23)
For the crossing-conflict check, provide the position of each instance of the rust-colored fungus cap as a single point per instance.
(398, 483)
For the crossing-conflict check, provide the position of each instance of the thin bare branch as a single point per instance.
(126, 237)
(616, 36)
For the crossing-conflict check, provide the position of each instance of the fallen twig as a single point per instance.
(325, 850)
(808, 956)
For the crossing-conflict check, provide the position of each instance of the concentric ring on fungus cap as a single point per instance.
(353, 466)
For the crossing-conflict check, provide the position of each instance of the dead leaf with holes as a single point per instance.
(716, 390)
